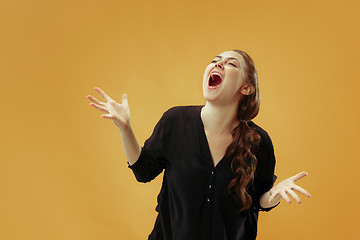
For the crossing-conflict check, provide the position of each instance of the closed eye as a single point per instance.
(229, 63)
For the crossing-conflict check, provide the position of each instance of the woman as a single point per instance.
(219, 165)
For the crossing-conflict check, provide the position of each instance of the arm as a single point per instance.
(270, 195)
(264, 174)
(153, 155)
(146, 162)
(132, 147)
(120, 114)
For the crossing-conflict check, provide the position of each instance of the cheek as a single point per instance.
(234, 78)
(234, 74)
(207, 70)
(206, 73)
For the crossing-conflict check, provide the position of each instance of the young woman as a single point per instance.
(218, 164)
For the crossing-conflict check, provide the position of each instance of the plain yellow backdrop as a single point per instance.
(63, 171)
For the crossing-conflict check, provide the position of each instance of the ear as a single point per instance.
(246, 89)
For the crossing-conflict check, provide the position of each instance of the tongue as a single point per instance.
(215, 80)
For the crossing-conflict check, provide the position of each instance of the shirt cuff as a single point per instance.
(134, 166)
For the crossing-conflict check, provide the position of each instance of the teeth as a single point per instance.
(215, 73)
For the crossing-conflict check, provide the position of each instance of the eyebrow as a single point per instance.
(230, 58)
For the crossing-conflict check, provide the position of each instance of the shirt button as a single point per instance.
(209, 186)
(208, 200)
(212, 172)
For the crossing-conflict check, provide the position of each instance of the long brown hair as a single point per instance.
(245, 139)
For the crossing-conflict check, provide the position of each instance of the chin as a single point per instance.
(210, 98)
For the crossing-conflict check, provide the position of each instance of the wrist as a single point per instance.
(125, 128)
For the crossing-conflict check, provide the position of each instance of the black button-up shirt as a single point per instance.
(193, 203)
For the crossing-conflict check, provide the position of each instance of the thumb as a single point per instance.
(124, 99)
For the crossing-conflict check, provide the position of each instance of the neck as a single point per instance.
(219, 119)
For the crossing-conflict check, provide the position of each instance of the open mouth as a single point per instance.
(215, 80)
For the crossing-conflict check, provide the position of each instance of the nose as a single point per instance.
(219, 64)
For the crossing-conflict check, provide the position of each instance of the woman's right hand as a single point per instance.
(119, 113)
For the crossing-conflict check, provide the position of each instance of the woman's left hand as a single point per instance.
(287, 186)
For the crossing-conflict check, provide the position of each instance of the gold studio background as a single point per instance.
(63, 169)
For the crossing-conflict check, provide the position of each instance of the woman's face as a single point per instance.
(223, 79)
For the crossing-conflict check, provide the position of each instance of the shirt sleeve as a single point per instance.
(264, 173)
(152, 159)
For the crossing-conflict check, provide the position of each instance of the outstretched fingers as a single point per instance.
(301, 190)
(103, 109)
(103, 94)
(299, 176)
(282, 193)
(294, 195)
(95, 100)
(284, 196)
(287, 186)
